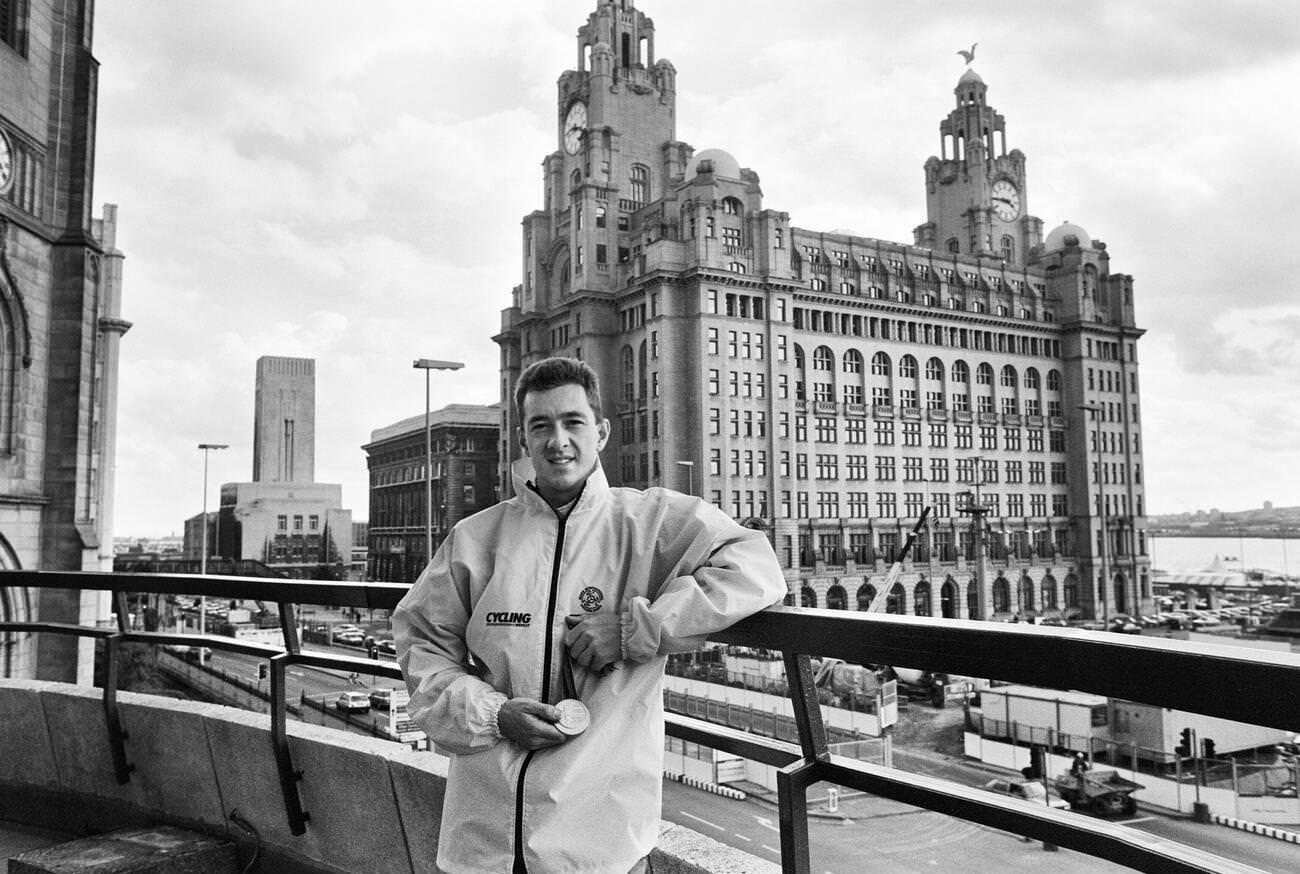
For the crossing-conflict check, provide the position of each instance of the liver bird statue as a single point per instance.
(968, 55)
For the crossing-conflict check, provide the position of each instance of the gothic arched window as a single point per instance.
(640, 180)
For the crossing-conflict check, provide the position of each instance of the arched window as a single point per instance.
(934, 369)
(1026, 593)
(837, 598)
(1071, 591)
(907, 367)
(853, 361)
(1008, 248)
(817, 284)
(640, 183)
(1053, 380)
(921, 599)
(984, 374)
(731, 206)
(954, 303)
(823, 359)
(897, 600)
(809, 597)
(575, 178)
(977, 306)
(1048, 590)
(960, 371)
(1001, 595)
(643, 376)
(1009, 377)
(953, 245)
(866, 594)
(972, 601)
(1032, 379)
(600, 215)
(880, 364)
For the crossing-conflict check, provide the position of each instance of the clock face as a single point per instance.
(575, 125)
(1006, 200)
(6, 163)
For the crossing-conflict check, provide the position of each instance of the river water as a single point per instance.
(1181, 554)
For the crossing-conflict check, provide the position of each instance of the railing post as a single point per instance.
(792, 781)
(116, 734)
(283, 760)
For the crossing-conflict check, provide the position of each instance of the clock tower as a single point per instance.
(616, 119)
(976, 193)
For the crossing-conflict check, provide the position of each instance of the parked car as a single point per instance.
(1026, 790)
(349, 638)
(353, 702)
(386, 644)
(383, 697)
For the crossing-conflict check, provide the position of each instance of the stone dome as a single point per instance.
(1067, 235)
(721, 162)
(969, 76)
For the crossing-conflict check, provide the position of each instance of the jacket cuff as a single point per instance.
(491, 710)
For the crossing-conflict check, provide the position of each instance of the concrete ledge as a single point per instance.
(374, 805)
(1268, 831)
(162, 850)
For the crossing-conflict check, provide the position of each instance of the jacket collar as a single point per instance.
(594, 491)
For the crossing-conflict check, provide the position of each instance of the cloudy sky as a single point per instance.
(310, 179)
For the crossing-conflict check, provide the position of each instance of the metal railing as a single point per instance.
(1256, 687)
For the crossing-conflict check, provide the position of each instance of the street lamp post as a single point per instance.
(1095, 409)
(203, 552)
(977, 511)
(690, 476)
(428, 364)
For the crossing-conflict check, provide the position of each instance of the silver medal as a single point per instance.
(574, 717)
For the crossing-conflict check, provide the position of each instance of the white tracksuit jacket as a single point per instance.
(498, 589)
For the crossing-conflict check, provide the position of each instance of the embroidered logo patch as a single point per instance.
(590, 598)
(501, 617)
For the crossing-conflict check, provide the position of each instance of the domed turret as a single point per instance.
(1067, 235)
(715, 161)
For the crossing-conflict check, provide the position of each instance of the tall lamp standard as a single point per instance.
(1095, 409)
(428, 364)
(976, 509)
(203, 553)
(690, 476)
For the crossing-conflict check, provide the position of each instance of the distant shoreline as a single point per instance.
(1291, 534)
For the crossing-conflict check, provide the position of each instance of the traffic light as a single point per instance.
(1184, 748)
(1207, 748)
(261, 671)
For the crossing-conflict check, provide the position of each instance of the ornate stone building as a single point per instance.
(60, 325)
(831, 388)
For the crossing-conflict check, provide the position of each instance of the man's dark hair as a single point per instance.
(552, 373)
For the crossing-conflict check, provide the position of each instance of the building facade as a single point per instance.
(833, 389)
(462, 442)
(283, 518)
(60, 327)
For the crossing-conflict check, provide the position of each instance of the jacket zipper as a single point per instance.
(519, 865)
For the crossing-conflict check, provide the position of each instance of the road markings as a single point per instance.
(767, 823)
(773, 849)
(297, 674)
(1139, 819)
(704, 821)
(743, 837)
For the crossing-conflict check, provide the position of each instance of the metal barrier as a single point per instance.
(1227, 682)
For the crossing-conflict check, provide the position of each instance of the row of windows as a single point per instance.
(745, 503)
(904, 294)
(282, 523)
(930, 333)
(827, 466)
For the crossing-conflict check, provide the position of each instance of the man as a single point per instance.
(570, 590)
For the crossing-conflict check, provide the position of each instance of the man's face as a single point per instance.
(563, 439)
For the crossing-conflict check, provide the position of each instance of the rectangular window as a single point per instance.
(857, 431)
(939, 470)
(1037, 473)
(801, 429)
(713, 381)
(826, 430)
(913, 504)
(964, 437)
(884, 468)
(1011, 439)
(828, 466)
(282, 523)
(1056, 441)
(938, 435)
(884, 433)
(801, 465)
(828, 505)
(856, 467)
(912, 469)
(313, 523)
(1035, 439)
(1058, 473)
(988, 438)
(911, 433)
(713, 341)
(1038, 505)
(886, 506)
(1059, 507)
(297, 523)
(1015, 472)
